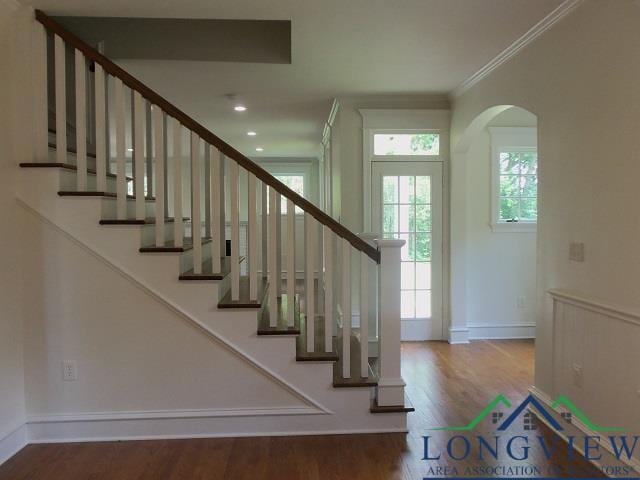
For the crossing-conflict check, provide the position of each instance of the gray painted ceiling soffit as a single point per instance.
(209, 40)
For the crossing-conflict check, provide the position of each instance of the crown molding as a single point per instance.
(534, 32)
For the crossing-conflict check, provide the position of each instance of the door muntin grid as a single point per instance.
(407, 214)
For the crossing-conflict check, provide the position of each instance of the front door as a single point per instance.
(407, 204)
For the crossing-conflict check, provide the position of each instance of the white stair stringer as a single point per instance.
(342, 410)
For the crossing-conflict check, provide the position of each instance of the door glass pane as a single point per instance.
(423, 189)
(390, 190)
(406, 217)
(423, 275)
(408, 281)
(390, 220)
(406, 213)
(408, 309)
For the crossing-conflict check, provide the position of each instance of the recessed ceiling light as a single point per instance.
(252, 133)
(259, 149)
(129, 149)
(239, 108)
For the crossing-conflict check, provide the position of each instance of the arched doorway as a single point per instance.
(493, 226)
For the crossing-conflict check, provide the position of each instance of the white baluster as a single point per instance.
(346, 309)
(235, 231)
(263, 226)
(390, 384)
(101, 129)
(291, 262)
(81, 122)
(272, 241)
(121, 174)
(279, 237)
(216, 207)
(40, 94)
(328, 289)
(309, 290)
(364, 315)
(158, 172)
(61, 101)
(223, 207)
(196, 216)
(138, 154)
(253, 236)
(178, 227)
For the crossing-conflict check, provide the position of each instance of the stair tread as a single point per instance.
(207, 270)
(406, 408)
(65, 166)
(355, 380)
(319, 354)
(169, 246)
(135, 221)
(76, 193)
(282, 327)
(243, 301)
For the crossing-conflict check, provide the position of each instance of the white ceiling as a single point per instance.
(339, 48)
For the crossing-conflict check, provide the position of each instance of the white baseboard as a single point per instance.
(219, 423)
(482, 331)
(14, 440)
(458, 335)
(577, 428)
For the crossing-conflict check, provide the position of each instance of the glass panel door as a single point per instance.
(407, 205)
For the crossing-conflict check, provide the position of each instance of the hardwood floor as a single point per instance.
(448, 385)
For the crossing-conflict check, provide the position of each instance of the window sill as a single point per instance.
(514, 227)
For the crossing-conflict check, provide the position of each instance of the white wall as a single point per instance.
(500, 266)
(12, 410)
(132, 353)
(580, 79)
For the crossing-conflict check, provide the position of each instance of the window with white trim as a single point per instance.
(515, 178)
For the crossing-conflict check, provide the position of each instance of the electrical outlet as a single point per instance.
(520, 302)
(577, 375)
(576, 251)
(69, 371)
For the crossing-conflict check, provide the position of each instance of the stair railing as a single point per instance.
(133, 118)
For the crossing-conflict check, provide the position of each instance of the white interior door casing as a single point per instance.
(408, 203)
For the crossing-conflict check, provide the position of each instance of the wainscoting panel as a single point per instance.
(596, 359)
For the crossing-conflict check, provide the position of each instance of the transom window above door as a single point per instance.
(406, 144)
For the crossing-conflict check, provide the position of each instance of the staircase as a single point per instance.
(153, 193)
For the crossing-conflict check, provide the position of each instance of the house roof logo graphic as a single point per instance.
(530, 403)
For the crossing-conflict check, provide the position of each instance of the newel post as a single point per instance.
(390, 383)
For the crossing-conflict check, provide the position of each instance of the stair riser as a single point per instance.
(109, 208)
(148, 234)
(71, 158)
(69, 179)
(186, 259)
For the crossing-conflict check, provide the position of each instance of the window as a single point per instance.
(518, 185)
(515, 179)
(406, 144)
(295, 183)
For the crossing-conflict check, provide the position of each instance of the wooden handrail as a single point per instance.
(207, 135)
